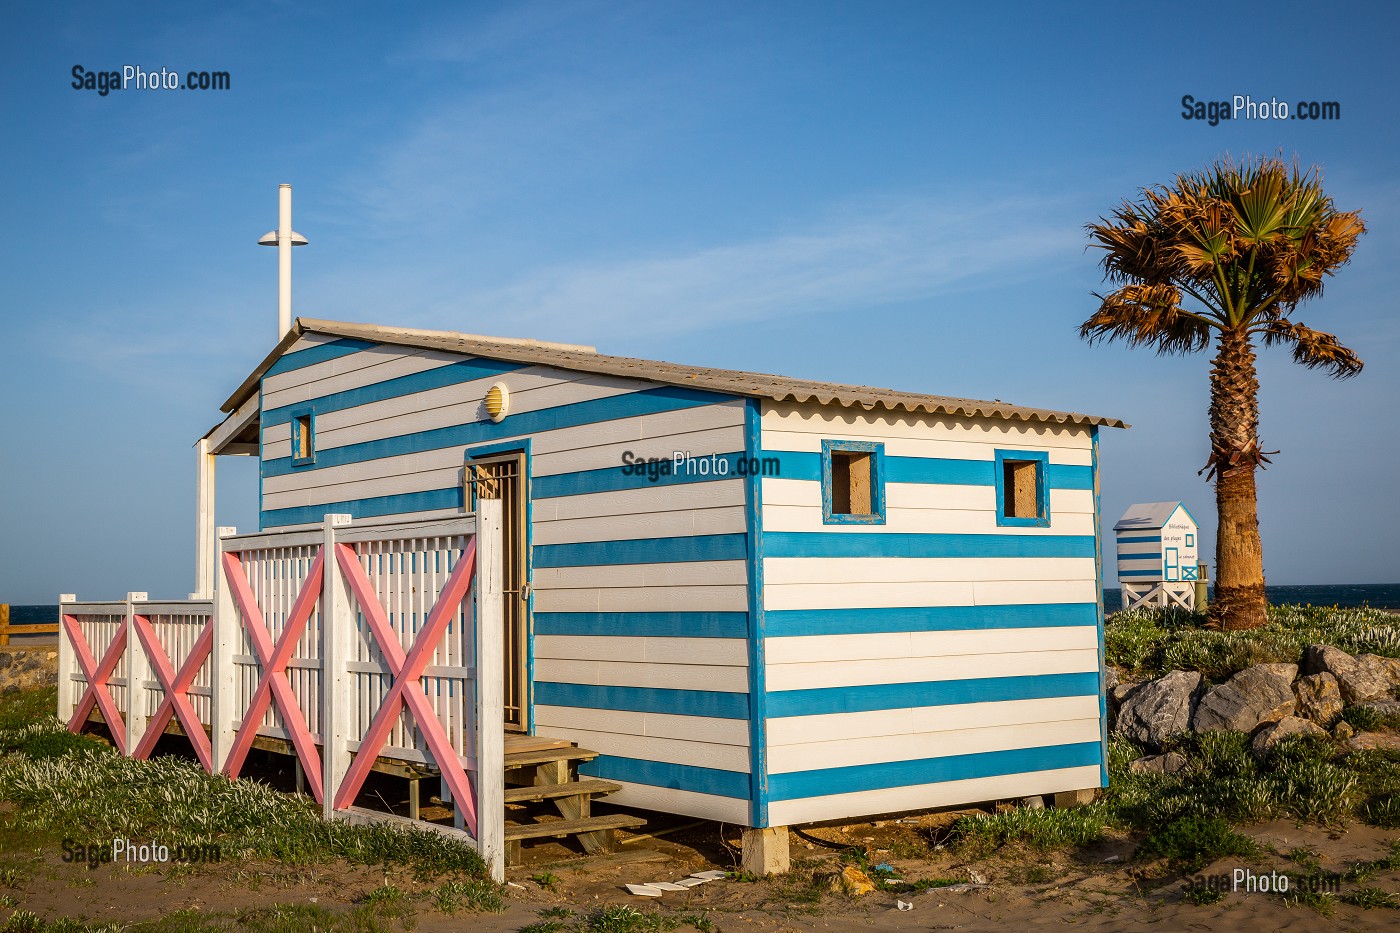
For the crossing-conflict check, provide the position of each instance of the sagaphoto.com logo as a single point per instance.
(1245, 107)
(134, 77)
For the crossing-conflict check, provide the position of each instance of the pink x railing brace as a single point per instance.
(407, 672)
(176, 686)
(97, 674)
(273, 685)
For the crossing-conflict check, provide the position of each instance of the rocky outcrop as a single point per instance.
(1160, 708)
(22, 668)
(1273, 733)
(1262, 693)
(1319, 698)
(1367, 677)
(1366, 741)
(1170, 763)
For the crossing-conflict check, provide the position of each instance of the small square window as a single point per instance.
(1190, 540)
(303, 426)
(1023, 494)
(853, 483)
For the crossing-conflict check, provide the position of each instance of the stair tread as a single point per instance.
(548, 791)
(546, 755)
(572, 827)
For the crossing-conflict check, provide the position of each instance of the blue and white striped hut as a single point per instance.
(1158, 554)
(760, 600)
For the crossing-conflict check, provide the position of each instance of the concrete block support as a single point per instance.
(1076, 798)
(765, 851)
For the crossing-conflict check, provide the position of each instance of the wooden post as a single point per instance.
(338, 636)
(66, 662)
(1202, 584)
(205, 540)
(137, 673)
(4, 623)
(490, 688)
(222, 679)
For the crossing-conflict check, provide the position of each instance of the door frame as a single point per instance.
(522, 447)
(1171, 564)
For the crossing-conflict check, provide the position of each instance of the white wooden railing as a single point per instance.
(406, 615)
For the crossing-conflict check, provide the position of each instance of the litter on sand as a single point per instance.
(903, 905)
(666, 885)
(645, 890)
(691, 882)
(711, 875)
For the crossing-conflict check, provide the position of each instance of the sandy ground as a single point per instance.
(1029, 891)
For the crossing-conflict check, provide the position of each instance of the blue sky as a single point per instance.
(889, 194)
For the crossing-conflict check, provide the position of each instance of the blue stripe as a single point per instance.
(401, 504)
(611, 479)
(644, 624)
(864, 699)
(466, 370)
(901, 544)
(930, 470)
(797, 622)
(758, 667)
(1139, 539)
(641, 551)
(856, 778)
(633, 404)
(1140, 573)
(300, 359)
(665, 774)
(645, 699)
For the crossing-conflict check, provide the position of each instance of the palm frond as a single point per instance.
(1147, 315)
(1312, 348)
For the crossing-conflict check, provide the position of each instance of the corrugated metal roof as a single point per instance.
(729, 381)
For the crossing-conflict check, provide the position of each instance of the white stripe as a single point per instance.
(644, 599)
(783, 570)
(710, 677)
(714, 495)
(862, 595)
(927, 796)
(683, 573)
(682, 803)
(628, 722)
(924, 447)
(648, 649)
(904, 520)
(354, 371)
(798, 649)
(655, 748)
(812, 756)
(795, 730)
(731, 520)
(821, 674)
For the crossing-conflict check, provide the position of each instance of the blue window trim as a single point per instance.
(877, 483)
(298, 457)
(1190, 540)
(1042, 488)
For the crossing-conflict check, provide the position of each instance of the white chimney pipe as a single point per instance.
(284, 238)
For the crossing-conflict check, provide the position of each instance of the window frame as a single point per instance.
(1042, 488)
(876, 449)
(299, 458)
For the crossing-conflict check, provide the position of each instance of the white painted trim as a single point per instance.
(834, 727)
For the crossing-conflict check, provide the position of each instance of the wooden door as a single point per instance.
(503, 476)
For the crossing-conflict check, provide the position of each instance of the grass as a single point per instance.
(619, 918)
(1191, 843)
(1366, 719)
(1145, 643)
(474, 894)
(1042, 830)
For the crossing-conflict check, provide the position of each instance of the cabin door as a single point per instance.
(1173, 564)
(504, 477)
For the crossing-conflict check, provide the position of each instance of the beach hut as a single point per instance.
(749, 598)
(1158, 555)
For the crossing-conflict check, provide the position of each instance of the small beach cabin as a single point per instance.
(729, 595)
(1158, 555)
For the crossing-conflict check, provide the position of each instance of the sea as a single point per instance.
(1374, 595)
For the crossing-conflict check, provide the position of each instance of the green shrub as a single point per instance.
(1193, 842)
(1042, 830)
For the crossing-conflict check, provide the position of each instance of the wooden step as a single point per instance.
(546, 755)
(550, 791)
(532, 743)
(572, 827)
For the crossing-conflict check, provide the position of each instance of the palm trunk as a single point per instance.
(1234, 439)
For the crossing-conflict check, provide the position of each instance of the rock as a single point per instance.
(1384, 741)
(6, 659)
(1392, 667)
(1342, 731)
(1262, 693)
(1033, 803)
(1160, 708)
(1360, 679)
(1270, 735)
(853, 881)
(1384, 707)
(1319, 698)
(1170, 763)
(1110, 679)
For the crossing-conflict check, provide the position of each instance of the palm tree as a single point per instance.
(1224, 256)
